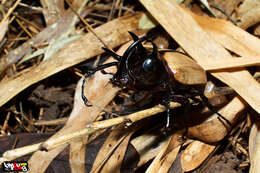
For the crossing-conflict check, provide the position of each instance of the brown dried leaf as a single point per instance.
(167, 155)
(248, 5)
(195, 154)
(80, 116)
(4, 27)
(111, 154)
(250, 18)
(77, 156)
(249, 13)
(227, 6)
(143, 144)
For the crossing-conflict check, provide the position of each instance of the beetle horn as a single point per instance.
(155, 50)
(135, 37)
(137, 44)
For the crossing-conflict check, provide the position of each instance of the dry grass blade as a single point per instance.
(59, 30)
(50, 122)
(231, 63)
(186, 31)
(4, 27)
(254, 151)
(114, 32)
(195, 154)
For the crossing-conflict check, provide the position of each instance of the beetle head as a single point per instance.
(143, 69)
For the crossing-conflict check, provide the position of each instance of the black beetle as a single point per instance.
(153, 72)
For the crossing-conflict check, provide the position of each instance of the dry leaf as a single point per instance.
(226, 6)
(148, 146)
(146, 22)
(111, 154)
(249, 13)
(77, 156)
(52, 10)
(195, 154)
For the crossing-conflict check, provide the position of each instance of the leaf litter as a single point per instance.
(227, 52)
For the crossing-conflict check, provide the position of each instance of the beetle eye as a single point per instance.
(149, 65)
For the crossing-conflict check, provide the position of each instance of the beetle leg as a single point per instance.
(210, 106)
(104, 72)
(184, 102)
(113, 54)
(88, 74)
(166, 103)
(167, 115)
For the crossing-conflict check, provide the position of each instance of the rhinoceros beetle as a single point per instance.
(156, 72)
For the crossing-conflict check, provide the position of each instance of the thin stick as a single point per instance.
(91, 128)
(10, 11)
(88, 27)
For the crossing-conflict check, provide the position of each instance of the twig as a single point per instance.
(91, 128)
(10, 11)
(89, 28)
(51, 122)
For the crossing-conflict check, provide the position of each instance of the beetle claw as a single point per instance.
(84, 98)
